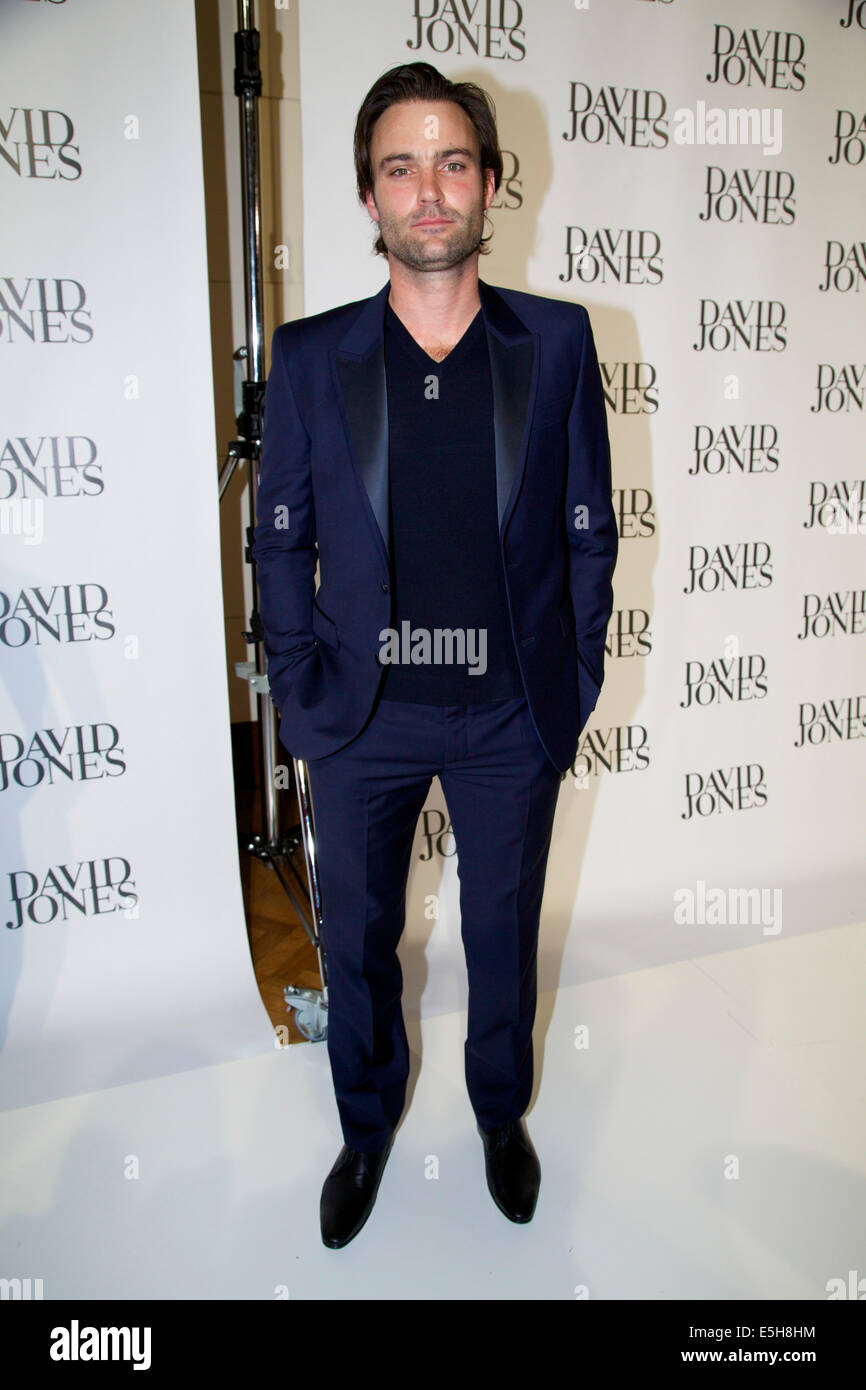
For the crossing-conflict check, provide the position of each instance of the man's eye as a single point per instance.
(455, 164)
(401, 170)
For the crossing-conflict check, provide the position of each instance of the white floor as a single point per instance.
(709, 1142)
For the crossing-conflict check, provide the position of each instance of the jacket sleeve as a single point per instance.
(593, 539)
(284, 539)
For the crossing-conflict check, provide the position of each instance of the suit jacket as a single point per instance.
(323, 495)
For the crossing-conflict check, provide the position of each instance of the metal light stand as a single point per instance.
(311, 1006)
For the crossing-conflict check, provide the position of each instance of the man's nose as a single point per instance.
(429, 189)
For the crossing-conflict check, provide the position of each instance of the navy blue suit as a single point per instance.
(324, 492)
(325, 460)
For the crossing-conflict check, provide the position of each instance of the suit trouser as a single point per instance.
(501, 791)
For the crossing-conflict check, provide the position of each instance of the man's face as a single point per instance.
(429, 196)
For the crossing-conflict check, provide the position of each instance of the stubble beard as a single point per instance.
(435, 250)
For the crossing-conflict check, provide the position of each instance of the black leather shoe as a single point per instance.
(349, 1193)
(513, 1170)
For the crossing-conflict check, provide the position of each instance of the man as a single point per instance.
(442, 449)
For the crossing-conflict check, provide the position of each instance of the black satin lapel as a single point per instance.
(362, 383)
(512, 371)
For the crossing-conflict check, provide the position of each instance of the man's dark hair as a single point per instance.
(423, 82)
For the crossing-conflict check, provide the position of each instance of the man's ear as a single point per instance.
(370, 204)
(489, 188)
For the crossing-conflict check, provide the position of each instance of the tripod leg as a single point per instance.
(308, 835)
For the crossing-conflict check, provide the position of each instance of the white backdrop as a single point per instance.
(628, 855)
(124, 949)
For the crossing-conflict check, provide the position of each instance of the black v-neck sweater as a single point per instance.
(446, 558)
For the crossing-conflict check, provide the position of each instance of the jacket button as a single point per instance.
(384, 584)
